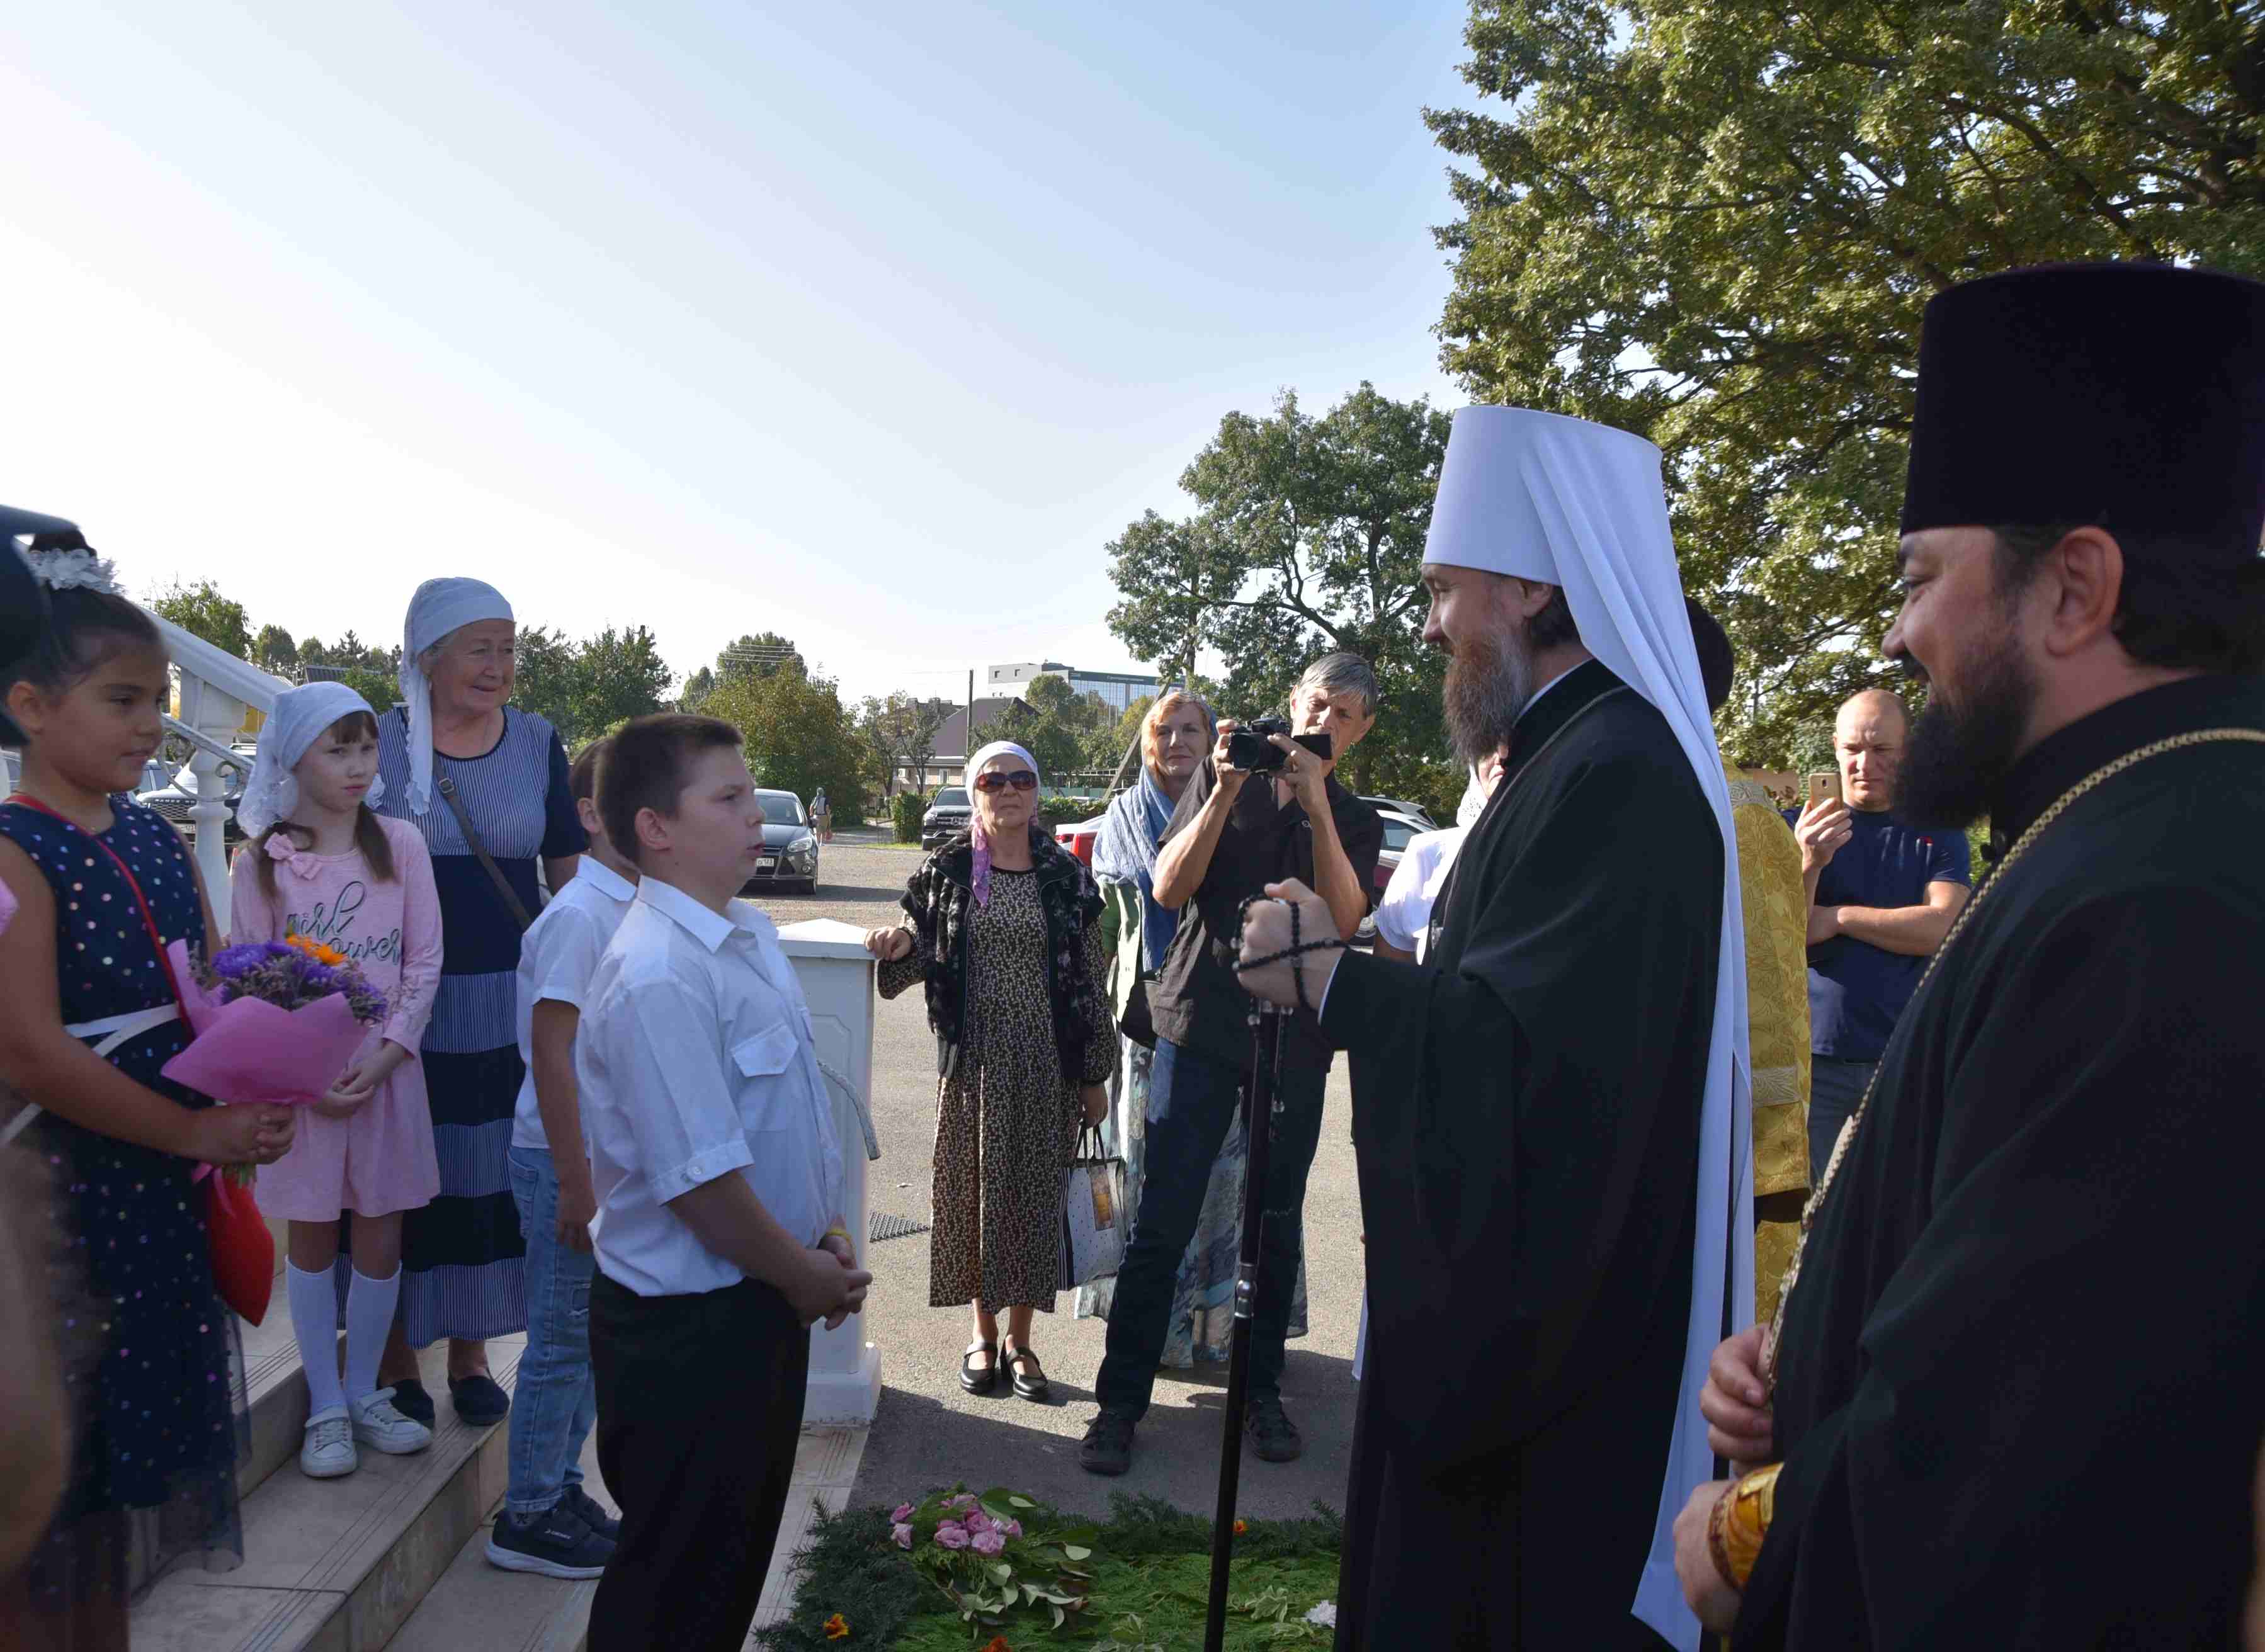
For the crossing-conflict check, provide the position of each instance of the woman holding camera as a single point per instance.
(1003, 926)
(1135, 933)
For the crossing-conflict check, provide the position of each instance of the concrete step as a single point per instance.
(477, 1605)
(339, 1565)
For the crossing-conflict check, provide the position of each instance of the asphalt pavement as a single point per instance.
(928, 1432)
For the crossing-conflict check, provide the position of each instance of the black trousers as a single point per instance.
(699, 1411)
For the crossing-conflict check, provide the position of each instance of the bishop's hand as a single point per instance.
(1268, 930)
(1736, 1403)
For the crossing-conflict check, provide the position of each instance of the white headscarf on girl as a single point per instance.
(440, 606)
(297, 723)
(982, 839)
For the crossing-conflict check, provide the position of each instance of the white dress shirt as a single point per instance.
(557, 960)
(696, 1061)
(1403, 917)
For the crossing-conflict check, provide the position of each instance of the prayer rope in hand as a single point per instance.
(1295, 952)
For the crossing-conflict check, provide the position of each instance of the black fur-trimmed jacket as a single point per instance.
(940, 899)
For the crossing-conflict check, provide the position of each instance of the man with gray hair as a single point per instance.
(1227, 841)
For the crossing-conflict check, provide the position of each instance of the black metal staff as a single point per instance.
(1258, 1105)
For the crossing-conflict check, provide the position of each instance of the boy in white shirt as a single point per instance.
(719, 1186)
(549, 1525)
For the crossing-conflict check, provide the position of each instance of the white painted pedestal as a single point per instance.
(837, 980)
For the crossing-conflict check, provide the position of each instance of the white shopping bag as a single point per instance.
(1094, 1217)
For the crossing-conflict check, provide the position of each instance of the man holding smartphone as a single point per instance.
(1232, 833)
(1882, 897)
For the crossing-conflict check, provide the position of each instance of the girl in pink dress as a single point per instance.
(322, 865)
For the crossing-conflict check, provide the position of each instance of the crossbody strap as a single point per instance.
(446, 787)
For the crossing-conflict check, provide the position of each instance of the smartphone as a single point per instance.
(1823, 786)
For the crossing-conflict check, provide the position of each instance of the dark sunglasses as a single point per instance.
(1021, 780)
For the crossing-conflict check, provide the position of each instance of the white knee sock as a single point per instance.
(314, 1302)
(369, 1321)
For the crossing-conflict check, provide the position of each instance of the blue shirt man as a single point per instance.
(1881, 898)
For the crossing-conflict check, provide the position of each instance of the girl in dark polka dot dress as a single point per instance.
(155, 1403)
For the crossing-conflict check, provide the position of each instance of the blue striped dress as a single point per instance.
(463, 1258)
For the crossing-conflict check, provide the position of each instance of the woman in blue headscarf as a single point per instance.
(1175, 737)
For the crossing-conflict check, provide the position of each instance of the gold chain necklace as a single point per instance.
(1770, 1339)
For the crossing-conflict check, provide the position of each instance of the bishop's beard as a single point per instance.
(1490, 680)
(1961, 752)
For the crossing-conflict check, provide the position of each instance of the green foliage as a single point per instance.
(1150, 1579)
(1067, 730)
(901, 729)
(273, 650)
(1715, 223)
(1308, 537)
(370, 672)
(798, 734)
(201, 610)
(1058, 811)
(905, 811)
(587, 688)
(762, 654)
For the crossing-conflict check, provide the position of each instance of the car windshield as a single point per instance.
(780, 808)
(1396, 833)
(952, 798)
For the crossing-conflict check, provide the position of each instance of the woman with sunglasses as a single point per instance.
(1003, 926)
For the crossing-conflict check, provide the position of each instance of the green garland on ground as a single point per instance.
(1152, 1575)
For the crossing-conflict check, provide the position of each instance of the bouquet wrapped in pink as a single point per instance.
(276, 1022)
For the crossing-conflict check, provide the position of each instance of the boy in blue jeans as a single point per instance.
(549, 1525)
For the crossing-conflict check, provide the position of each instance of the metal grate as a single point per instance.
(880, 1228)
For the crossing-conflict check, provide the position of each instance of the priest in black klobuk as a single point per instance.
(1551, 1114)
(2015, 1394)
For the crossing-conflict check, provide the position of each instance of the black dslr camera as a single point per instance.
(1250, 750)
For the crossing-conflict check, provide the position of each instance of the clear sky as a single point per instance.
(870, 324)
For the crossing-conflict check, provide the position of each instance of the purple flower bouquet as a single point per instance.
(275, 1022)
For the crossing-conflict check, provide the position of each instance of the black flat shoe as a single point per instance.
(410, 1400)
(1032, 1385)
(980, 1379)
(479, 1400)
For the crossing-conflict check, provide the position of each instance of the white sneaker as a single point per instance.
(329, 1449)
(377, 1425)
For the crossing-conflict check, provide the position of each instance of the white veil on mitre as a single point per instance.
(1584, 506)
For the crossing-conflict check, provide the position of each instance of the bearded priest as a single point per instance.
(2019, 1374)
(1550, 1114)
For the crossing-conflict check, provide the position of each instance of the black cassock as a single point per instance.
(1525, 1112)
(2023, 1377)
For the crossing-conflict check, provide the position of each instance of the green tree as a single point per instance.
(202, 610)
(1308, 538)
(1717, 222)
(585, 688)
(543, 679)
(1062, 728)
(800, 736)
(901, 729)
(273, 650)
(372, 672)
(698, 688)
(1179, 584)
(758, 656)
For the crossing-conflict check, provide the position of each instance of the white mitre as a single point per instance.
(1563, 502)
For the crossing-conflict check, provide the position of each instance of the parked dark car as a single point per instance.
(789, 857)
(175, 798)
(947, 816)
